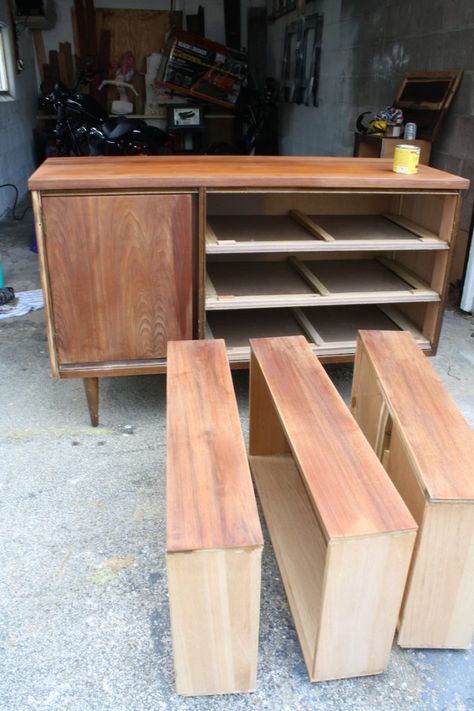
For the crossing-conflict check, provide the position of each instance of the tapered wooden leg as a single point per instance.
(91, 386)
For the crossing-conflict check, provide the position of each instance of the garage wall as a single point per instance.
(367, 47)
(213, 16)
(17, 119)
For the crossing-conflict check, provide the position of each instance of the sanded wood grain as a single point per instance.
(343, 538)
(120, 271)
(210, 499)
(440, 441)
(341, 474)
(214, 540)
(338, 637)
(215, 607)
(363, 589)
(300, 549)
(438, 609)
(233, 171)
(428, 455)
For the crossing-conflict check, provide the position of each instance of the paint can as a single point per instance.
(406, 159)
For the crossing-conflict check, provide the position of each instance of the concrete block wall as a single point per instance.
(17, 120)
(367, 48)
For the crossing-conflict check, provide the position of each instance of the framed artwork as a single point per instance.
(185, 116)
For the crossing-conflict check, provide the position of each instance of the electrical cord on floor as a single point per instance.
(15, 201)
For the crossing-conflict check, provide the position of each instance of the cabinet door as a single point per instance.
(120, 274)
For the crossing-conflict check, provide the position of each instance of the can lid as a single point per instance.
(407, 146)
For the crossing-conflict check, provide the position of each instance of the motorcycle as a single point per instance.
(83, 127)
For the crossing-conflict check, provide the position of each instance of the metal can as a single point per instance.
(406, 159)
(410, 132)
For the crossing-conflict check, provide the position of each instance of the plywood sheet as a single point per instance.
(363, 275)
(256, 279)
(236, 327)
(140, 31)
(214, 600)
(357, 227)
(341, 323)
(258, 228)
(300, 549)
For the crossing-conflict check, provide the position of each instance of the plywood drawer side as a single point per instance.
(342, 536)
(427, 451)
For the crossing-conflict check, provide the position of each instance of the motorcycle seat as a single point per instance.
(117, 128)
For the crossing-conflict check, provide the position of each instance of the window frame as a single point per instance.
(4, 78)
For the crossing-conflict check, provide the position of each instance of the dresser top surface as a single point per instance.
(116, 172)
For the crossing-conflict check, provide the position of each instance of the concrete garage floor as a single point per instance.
(83, 600)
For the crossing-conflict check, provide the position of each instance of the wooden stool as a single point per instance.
(214, 539)
(342, 535)
(427, 449)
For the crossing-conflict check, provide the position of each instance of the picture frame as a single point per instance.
(185, 117)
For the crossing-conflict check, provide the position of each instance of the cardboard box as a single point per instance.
(194, 66)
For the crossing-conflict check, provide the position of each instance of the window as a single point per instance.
(3, 63)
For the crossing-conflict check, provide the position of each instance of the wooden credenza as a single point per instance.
(138, 251)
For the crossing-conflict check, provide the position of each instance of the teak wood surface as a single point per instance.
(342, 536)
(214, 540)
(210, 499)
(440, 441)
(348, 487)
(124, 257)
(103, 172)
(120, 275)
(427, 449)
(214, 600)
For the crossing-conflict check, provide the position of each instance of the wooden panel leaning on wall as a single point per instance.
(427, 449)
(342, 535)
(214, 540)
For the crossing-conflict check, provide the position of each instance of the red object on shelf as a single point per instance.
(206, 70)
